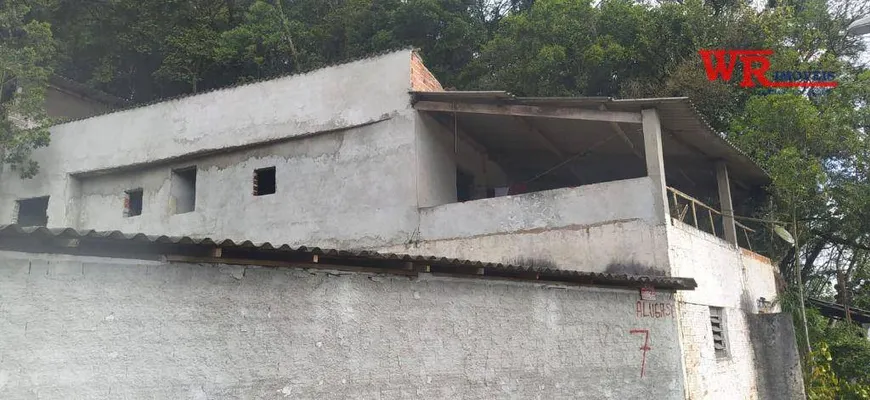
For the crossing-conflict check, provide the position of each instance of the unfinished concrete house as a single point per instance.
(68, 99)
(178, 249)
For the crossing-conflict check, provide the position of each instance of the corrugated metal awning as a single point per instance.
(838, 311)
(688, 139)
(207, 250)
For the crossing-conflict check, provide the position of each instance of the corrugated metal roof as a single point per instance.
(89, 242)
(65, 83)
(131, 105)
(678, 116)
(838, 311)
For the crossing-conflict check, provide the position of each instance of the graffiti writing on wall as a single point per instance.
(647, 309)
(645, 348)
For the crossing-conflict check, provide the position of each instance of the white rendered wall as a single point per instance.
(730, 278)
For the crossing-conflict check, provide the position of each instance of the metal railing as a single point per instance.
(680, 212)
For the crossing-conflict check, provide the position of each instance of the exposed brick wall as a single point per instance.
(422, 79)
(709, 375)
(735, 281)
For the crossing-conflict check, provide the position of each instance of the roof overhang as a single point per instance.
(78, 89)
(206, 250)
(566, 126)
(860, 26)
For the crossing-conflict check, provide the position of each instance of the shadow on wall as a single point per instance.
(633, 268)
(617, 268)
(776, 356)
(531, 262)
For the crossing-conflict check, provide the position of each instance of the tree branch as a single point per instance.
(837, 240)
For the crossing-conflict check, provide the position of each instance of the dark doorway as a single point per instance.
(464, 185)
(184, 189)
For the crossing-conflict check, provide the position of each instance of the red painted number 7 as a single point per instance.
(643, 348)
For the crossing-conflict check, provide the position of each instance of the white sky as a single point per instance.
(865, 58)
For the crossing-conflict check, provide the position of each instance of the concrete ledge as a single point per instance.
(326, 99)
(601, 203)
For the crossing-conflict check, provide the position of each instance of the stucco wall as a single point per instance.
(632, 247)
(599, 227)
(90, 328)
(760, 281)
(776, 356)
(560, 208)
(332, 98)
(337, 190)
(726, 278)
(436, 168)
(328, 98)
(439, 153)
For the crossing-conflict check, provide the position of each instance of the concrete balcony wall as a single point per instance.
(600, 227)
(733, 279)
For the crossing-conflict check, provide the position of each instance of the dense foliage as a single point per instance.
(837, 368)
(26, 49)
(814, 144)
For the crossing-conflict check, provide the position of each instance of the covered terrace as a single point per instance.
(550, 143)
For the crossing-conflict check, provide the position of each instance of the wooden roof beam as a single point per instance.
(624, 137)
(547, 143)
(530, 111)
(456, 129)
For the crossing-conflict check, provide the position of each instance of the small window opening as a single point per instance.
(717, 323)
(184, 190)
(464, 185)
(264, 181)
(133, 203)
(33, 212)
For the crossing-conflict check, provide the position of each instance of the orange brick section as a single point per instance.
(759, 257)
(421, 79)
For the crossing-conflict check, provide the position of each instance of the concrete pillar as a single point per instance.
(655, 165)
(725, 201)
(72, 204)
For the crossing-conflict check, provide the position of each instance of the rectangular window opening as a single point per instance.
(717, 324)
(264, 181)
(133, 203)
(184, 189)
(32, 212)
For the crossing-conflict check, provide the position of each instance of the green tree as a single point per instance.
(263, 44)
(837, 367)
(26, 49)
(189, 51)
(148, 49)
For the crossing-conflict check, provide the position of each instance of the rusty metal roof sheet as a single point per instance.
(188, 249)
